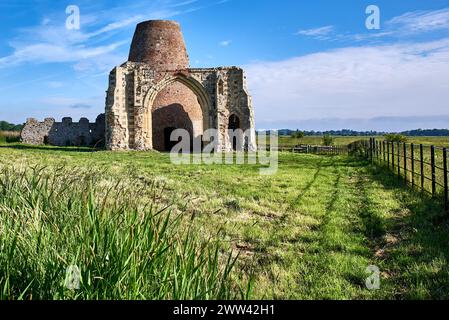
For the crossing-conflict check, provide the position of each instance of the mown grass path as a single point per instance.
(308, 232)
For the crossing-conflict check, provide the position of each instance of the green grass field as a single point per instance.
(308, 232)
(287, 141)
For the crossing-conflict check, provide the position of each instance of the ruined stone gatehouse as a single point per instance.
(65, 133)
(155, 92)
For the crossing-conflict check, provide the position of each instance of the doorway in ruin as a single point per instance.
(175, 107)
(234, 124)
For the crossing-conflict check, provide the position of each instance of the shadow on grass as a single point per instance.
(330, 207)
(48, 148)
(373, 226)
(418, 256)
(309, 184)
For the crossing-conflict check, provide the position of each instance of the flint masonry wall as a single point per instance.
(65, 133)
(134, 88)
(155, 89)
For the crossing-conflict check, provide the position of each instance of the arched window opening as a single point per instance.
(234, 124)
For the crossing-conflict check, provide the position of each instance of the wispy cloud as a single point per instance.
(116, 25)
(405, 79)
(80, 106)
(70, 103)
(406, 25)
(49, 53)
(89, 47)
(316, 32)
(421, 21)
(225, 43)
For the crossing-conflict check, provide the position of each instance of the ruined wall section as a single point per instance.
(207, 77)
(117, 109)
(35, 132)
(228, 89)
(239, 103)
(65, 133)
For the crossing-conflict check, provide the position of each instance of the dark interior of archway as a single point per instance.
(234, 124)
(165, 121)
(167, 141)
(175, 107)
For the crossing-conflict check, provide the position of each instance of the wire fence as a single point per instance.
(420, 166)
(326, 150)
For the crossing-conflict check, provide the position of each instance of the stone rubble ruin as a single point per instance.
(65, 133)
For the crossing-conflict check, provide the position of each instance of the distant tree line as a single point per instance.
(6, 126)
(427, 133)
(347, 132)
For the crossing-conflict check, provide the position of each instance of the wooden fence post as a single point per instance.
(392, 156)
(412, 159)
(446, 200)
(388, 154)
(405, 162)
(367, 149)
(399, 160)
(432, 161)
(371, 149)
(421, 159)
(377, 151)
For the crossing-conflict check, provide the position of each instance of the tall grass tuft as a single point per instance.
(9, 136)
(115, 233)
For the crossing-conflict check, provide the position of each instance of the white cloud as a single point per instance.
(406, 25)
(316, 32)
(60, 101)
(70, 103)
(47, 52)
(409, 79)
(225, 43)
(45, 21)
(51, 42)
(80, 106)
(117, 25)
(421, 21)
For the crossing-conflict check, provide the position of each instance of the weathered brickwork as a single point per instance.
(155, 91)
(65, 133)
(176, 106)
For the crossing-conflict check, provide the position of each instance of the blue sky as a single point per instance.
(310, 64)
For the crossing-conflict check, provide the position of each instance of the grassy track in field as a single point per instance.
(308, 232)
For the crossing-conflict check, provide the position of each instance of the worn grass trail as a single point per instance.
(307, 232)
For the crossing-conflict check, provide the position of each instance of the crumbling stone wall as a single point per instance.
(65, 133)
(35, 132)
(157, 77)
